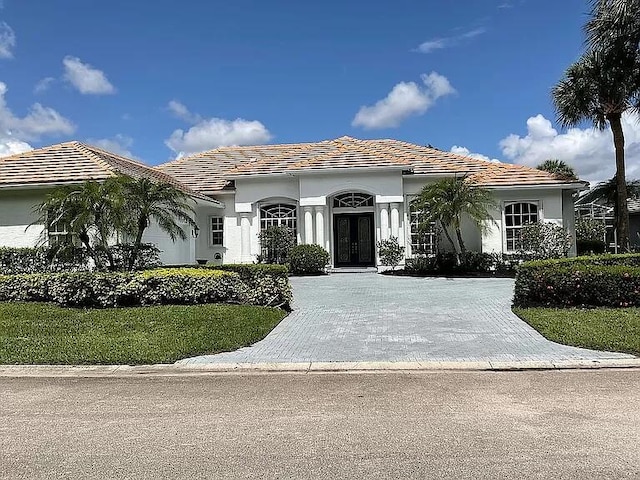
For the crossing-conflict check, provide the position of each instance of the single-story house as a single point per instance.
(343, 194)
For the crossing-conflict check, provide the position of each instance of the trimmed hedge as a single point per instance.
(308, 259)
(38, 260)
(151, 287)
(599, 281)
(446, 263)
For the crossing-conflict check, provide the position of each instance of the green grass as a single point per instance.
(610, 329)
(37, 333)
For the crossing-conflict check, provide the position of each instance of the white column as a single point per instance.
(395, 220)
(308, 225)
(384, 221)
(320, 225)
(245, 237)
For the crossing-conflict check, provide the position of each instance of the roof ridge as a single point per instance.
(96, 158)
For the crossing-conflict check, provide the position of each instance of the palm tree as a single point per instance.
(559, 168)
(607, 192)
(597, 90)
(615, 26)
(449, 200)
(90, 212)
(162, 203)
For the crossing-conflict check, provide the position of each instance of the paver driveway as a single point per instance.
(370, 317)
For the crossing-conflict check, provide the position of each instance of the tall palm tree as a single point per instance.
(607, 192)
(597, 90)
(162, 203)
(559, 168)
(449, 200)
(615, 25)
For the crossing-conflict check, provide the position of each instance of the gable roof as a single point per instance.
(211, 171)
(73, 162)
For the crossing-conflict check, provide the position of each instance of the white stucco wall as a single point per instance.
(16, 214)
(550, 208)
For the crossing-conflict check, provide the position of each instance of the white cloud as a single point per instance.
(465, 152)
(182, 112)
(38, 122)
(119, 144)
(43, 85)
(446, 42)
(588, 150)
(7, 41)
(404, 100)
(12, 146)
(209, 133)
(85, 78)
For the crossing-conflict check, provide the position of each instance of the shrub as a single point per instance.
(544, 240)
(40, 260)
(308, 259)
(275, 244)
(590, 247)
(151, 287)
(268, 284)
(592, 229)
(608, 281)
(445, 263)
(390, 251)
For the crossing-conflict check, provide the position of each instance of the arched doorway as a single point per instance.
(353, 230)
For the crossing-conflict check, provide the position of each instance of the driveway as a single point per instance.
(366, 317)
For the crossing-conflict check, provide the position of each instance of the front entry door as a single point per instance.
(354, 240)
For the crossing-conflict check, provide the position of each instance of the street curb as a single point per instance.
(190, 369)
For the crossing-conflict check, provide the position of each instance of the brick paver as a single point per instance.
(371, 317)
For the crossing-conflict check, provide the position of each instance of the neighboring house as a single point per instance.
(344, 194)
(26, 178)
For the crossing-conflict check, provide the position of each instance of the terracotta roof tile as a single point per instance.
(211, 171)
(76, 162)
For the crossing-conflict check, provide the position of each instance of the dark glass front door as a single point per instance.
(354, 240)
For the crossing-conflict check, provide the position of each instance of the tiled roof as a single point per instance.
(76, 162)
(211, 171)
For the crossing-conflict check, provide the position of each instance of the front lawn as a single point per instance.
(37, 333)
(610, 329)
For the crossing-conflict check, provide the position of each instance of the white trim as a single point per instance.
(389, 198)
(313, 201)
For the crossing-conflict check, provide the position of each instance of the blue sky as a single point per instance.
(158, 79)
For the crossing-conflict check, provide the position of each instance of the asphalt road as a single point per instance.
(553, 424)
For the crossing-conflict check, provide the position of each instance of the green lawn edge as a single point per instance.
(46, 334)
(605, 329)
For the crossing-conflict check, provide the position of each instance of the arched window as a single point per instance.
(516, 215)
(278, 214)
(353, 200)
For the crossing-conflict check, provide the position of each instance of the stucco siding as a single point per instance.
(16, 216)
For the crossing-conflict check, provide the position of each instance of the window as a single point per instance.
(57, 234)
(278, 214)
(217, 230)
(423, 241)
(515, 216)
(353, 200)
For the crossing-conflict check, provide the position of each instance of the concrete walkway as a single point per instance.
(376, 318)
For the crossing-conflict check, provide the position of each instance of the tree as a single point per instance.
(607, 192)
(162, 203)
(559, 168)
(599, 90)
(449, 200)
(90, 212)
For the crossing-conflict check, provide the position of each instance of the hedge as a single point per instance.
(600, 281)
(151, 287)
(38, 260)
(308, 259)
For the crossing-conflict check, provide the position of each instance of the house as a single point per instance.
(26, 178)
(343, 194)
